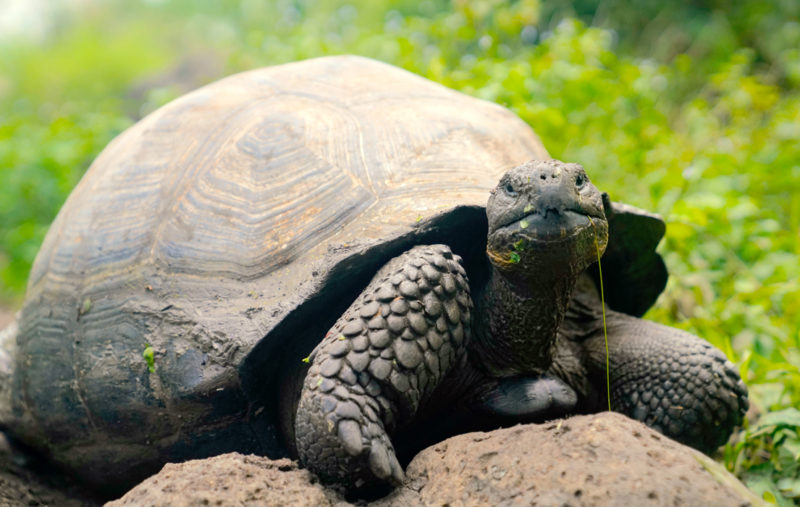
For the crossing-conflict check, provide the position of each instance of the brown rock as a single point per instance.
(231, 479)
(602, 459)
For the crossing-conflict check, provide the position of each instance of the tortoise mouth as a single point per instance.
(558, 240)
(550, 226)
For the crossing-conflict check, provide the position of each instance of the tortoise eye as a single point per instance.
(508, 188)
(580, 180)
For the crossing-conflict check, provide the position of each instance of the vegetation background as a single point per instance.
(687, 108)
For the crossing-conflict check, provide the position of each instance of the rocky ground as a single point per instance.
(605, 459)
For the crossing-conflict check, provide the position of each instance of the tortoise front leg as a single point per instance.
(379, 363)
(671, 380)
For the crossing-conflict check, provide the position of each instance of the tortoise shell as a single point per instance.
(225, 232)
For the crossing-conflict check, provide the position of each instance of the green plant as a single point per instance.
(767, 455)
(150, 358)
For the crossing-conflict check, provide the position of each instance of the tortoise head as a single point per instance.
(544, 218)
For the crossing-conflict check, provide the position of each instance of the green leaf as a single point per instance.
(769, 497)
(789, 487)
(792, 446)
(149, 358)
(764, 487)
(772, 420)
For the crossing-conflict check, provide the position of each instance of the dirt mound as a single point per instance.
(603, 459)
(231, 479)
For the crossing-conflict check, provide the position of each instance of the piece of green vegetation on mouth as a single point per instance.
(519, 245)
(523, 224)
(513, 257)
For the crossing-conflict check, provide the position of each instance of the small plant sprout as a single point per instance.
(149, 357)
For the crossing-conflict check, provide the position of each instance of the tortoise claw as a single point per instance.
(379, 460)
(398, 477)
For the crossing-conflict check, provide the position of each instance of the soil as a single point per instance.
(232, 479)
(603, 459)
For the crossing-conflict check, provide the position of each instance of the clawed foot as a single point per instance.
(674, 382)
(380, 360)
(341, 436)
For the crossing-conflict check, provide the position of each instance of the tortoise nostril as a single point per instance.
(543, 176)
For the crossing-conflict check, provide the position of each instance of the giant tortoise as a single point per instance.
(313, 240)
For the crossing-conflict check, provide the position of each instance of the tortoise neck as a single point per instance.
(517, 322)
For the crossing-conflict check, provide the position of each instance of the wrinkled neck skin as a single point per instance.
(517, 319)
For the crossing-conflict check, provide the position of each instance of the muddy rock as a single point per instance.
(231, 479)
(603, 459)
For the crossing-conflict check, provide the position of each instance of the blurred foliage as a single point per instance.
(690, 109)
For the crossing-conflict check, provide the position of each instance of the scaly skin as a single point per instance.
(379, 362)
(409, 346)
(668, 379)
